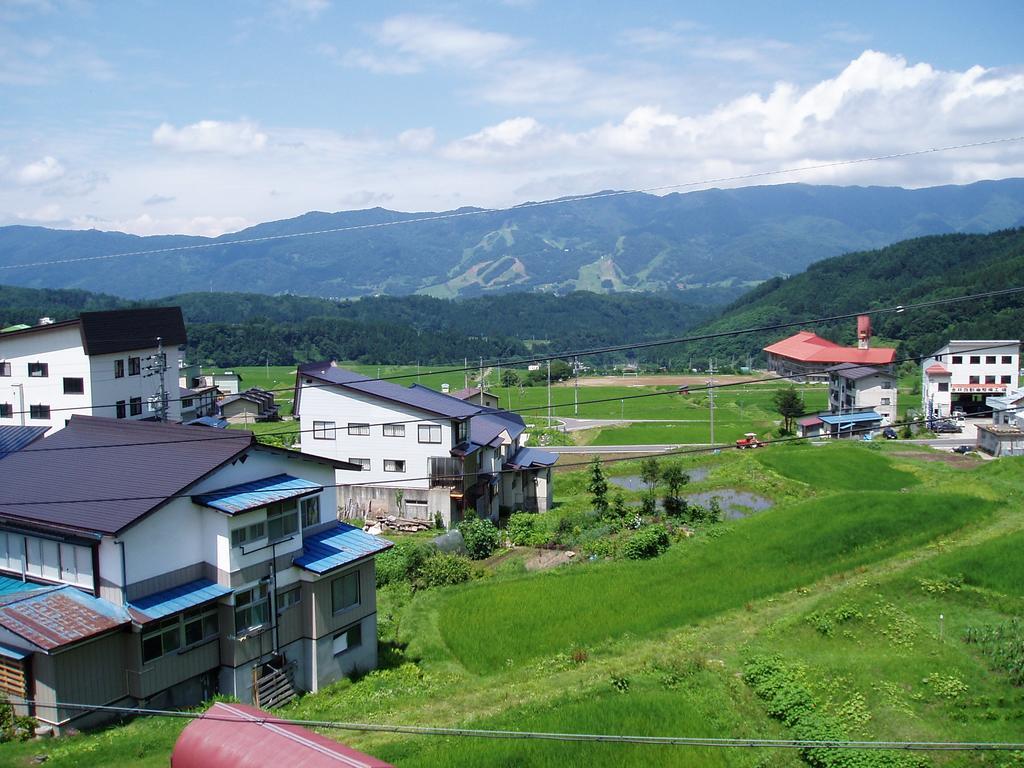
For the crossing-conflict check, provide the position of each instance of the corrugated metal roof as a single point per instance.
(532, 457)
(9, 586)
(337, 546)
(122, 330)
(14, 438)
(855, 372)
(226, 739)
(809, 347)
(485, 427)
(849, 418)
(937, 369)
(422, 398)
(808, 421)
(12, 653)
(176, 599)
(258, 493)
(51, 618)
(208, 421)
(133, 465)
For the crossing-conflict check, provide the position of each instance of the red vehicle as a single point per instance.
(749, 440)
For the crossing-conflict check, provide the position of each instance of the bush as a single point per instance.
(520, 528)
(647, 543)
(481, 537)
(443, 569)
(402, 562)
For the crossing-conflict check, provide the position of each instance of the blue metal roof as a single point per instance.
(207, 421)
(13, 438)
(177, 599)
(337, 546)
(12, 653)
(849, 418)
(258, 493)
(532, 457)
(9, 586)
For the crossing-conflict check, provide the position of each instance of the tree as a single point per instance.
(598, 486)
(509, 378)
(789, 404)
(675, 479)
(650, 472)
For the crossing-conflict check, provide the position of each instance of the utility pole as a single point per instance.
(549, 392)
(465, 373)
(481, 381)
(576, 387)
(711, 397)
(157, 366)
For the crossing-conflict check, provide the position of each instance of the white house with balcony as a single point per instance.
(963, 373)
(853, 388)
(99, 364)
(198, 561)
(424, 454)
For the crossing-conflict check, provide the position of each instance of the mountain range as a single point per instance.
(709, 246)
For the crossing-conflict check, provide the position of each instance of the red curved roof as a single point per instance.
(936, 370)
(808, 347)
(241, 736)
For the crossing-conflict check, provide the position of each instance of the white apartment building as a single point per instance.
(100, 364)
(854, 388)
(964, 372)
(423, 454)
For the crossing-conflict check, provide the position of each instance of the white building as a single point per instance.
(854, 388)
(963, 373)
(221, 564)
(100, 364)
(423, 454)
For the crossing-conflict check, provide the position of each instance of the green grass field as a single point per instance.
(842, 583)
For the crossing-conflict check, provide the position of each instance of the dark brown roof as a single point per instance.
(121, 330)
(128, 467)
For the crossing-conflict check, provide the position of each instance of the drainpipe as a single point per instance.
(124, 573)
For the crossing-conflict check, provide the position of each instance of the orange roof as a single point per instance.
(936, 370)
(808, 347)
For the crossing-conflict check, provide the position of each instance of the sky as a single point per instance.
(155, 117)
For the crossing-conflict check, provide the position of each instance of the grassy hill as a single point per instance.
(816, 618)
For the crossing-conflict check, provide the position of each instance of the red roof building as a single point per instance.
(805, 354)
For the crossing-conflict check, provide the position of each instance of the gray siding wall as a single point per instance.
(90, 673)
(362, 659)
(324, 620)
(171, 579)
(169, 670)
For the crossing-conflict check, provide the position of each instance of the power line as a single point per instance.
(708, 388)
(515, 362)
(676, 741)
(537, 204)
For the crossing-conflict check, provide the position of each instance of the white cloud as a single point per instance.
(205, 226)
(40, 172)
(46, 214)
(159, 199)
(417, 139)
(238, 138)
(309, 8)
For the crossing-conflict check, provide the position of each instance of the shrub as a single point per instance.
(481, 537)
(442, 570)
(402, 562)
(14, 726)
(646, 543)
(520, 528)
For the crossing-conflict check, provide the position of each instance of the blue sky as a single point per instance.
(194, 117)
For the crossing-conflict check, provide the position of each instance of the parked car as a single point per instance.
(947, 427)
(963, 449)
(889, 433)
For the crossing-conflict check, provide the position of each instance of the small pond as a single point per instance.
(634, 483)
(735, 504)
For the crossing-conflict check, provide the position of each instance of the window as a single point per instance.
(134, 366)
(394, 430)
(462, 432)
(358, 429)
(310, 511)
(394, 465)
(200, 624)
(252, 607)
(119, 369)
(282, 519)
(186, 402)
(430, 433)
(958, 360)
(944, 386)
(348, 638)
(74, 386)
(289, 597)
(974, 380)
(1002, 380)
(990, 379)
(120, 409)
(1006, 360)
(5, 368)
(885, 401)
(345, 592)
(323, 430)
(76, 565)
(6, 411)
(135, 406)
(990, 359)
(162, 639)
(253, 532)
(975, 359)
(39, 412)
(886, 384)
(364, 463)
(38, 370)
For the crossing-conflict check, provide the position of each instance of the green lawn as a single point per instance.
(843, 466)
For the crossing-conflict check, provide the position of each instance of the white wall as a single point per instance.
(868, 392)
(322, 403)
(1006, 374)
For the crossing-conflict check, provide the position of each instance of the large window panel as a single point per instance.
(345, 592)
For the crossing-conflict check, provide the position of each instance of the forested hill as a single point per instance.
(908, 272)
(237, 328)
(694, 242)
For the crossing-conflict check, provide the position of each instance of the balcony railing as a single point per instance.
(446, 472)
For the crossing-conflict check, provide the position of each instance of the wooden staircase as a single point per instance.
(271, 687)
